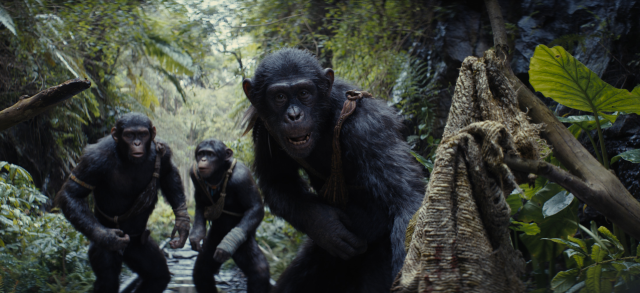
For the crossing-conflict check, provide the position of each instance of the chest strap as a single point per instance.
(147, 198)
(216, 209)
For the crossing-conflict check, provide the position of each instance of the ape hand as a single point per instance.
(111, 239)
(182, 226)
(221, 255)
(195, 239)
(327, 227)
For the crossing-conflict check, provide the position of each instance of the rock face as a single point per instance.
(602, 34)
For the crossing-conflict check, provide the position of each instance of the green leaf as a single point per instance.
(557, 203)
(527, 228)
(6, 20)
(560, 76)
(632, 156)
(560, 225)
(564, 280)
(593, 279)
(607, 234)
(573, 245)
(579, 242)
(428, 164)
(597, 253)
(586, 122)
(514, 201)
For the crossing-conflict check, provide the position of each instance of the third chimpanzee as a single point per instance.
(226, 195)
(356, 232)
(124, 170)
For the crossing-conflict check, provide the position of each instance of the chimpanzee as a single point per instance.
(356, 238)
(124, 170)
(226, 195)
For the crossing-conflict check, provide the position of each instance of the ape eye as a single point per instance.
(304, 93)
(280, 98)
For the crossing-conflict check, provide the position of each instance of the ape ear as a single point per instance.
(113, 134)
(246, 86)
(328, 73)
(229, 154)
(153, 133)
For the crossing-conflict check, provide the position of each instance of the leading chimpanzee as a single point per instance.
(357, 235)
(226, 195)
(123, 171)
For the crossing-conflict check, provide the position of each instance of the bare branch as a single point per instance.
(28, 108)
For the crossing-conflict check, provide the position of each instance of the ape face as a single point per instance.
(133, 135)
(292, 101)
(212, 155)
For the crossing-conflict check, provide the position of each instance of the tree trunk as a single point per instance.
(28, 108)
(591, 182)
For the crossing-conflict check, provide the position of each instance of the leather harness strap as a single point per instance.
(143, 201)
(213, 211)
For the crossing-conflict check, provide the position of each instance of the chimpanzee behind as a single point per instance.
(226, 195)
(123, 171)
(357, 246)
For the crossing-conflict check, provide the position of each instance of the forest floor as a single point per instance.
(230, 279)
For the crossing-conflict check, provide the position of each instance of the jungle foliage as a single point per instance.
(181, 62)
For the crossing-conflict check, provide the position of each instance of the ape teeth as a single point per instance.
(299, 142)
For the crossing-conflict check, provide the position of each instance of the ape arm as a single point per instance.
(72, 200)
(287, 196)
(199, 228)
(249, 197)
(173, 191)
(170, 181)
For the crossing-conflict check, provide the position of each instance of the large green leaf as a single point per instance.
(559, 225)
(632, 156)
(514, 202)
(560, 76)
(557, 203)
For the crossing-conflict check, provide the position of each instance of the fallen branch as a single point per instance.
(28, 108)
(589, 181)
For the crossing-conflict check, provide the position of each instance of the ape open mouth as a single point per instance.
(300, 140)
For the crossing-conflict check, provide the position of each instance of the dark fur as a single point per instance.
(117, 184)
(375, 156)
(242, 197)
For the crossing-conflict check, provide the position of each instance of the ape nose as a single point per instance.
(136, 143)
(294, 113)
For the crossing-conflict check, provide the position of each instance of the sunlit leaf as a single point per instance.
(607, 234)
(527, 228)
(564, 280)
(560, 76)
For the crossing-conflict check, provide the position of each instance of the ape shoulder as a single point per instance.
(97, 158)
